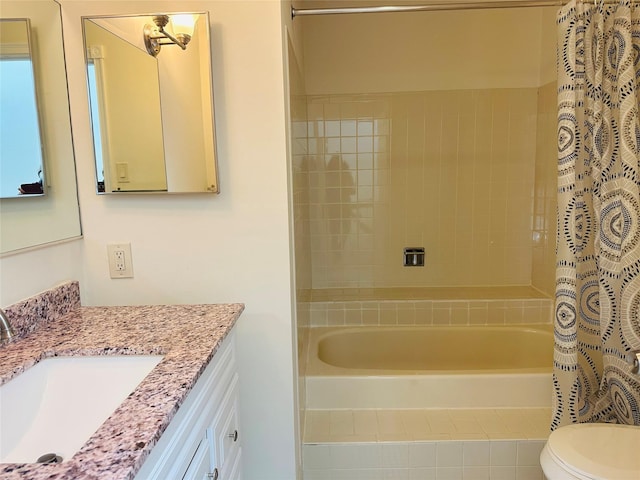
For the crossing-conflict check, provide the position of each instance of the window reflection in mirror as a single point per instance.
(20, 141)
(151, 111)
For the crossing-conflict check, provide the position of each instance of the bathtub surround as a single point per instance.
(386, 425)
(404, 148)
(493, 292)
(186, 335)
(427, 306)
(383, 169)
(597, 314)
(430, 312)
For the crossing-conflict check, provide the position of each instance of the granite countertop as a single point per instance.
(188, 337)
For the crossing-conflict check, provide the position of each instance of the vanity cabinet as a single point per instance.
(202, 442)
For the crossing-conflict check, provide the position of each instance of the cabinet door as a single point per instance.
(234, 472)
(226, 438)
(200, 467)
(179, 453)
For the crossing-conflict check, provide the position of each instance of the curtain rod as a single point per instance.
(298, 12)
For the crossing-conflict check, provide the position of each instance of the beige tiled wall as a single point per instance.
(545, 203)
(450, 171)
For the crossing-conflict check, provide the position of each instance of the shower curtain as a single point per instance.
(597, 309)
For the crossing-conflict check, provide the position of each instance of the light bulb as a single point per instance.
(183, 23)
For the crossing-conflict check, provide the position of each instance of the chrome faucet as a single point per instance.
(6, 331)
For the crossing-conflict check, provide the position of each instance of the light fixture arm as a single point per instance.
(154, 36)
(181, 43)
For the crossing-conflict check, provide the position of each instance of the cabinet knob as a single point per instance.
(213, 475)
(233, 435)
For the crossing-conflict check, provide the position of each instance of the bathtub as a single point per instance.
(488, 366)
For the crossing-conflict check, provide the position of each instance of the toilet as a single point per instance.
(592, 451)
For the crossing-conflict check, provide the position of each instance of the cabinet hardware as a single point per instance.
(213, 475)
(233, 435)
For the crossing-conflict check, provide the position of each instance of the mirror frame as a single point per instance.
(176, 134)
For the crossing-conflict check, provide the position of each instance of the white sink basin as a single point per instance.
(56, 405)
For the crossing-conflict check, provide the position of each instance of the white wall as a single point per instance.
(28, 272)
(233, 247)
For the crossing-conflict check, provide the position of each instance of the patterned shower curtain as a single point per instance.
(597, 311)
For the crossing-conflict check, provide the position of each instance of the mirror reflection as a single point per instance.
(20, 141)
(151, 100)
(30, 220)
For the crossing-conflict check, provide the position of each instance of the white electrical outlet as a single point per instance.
(120, 263)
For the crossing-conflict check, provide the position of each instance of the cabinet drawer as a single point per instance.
(225, 431)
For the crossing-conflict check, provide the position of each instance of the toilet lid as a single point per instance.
(598, 450)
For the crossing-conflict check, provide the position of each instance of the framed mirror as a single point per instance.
(20, 140)
(151, 98)
(33, 219)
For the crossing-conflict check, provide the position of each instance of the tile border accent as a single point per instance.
(431, 312)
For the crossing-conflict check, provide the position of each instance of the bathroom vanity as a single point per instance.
(180, 421)
(202, 441)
